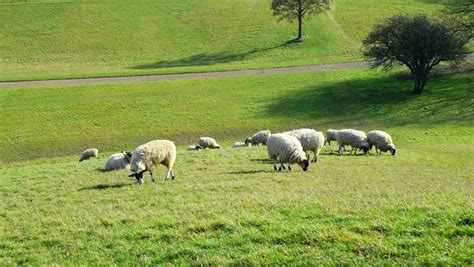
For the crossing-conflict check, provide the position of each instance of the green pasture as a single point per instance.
(67, 39)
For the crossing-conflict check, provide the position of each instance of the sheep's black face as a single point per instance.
(129, 154)
(138, 176)
(365, 149)
(304, 165)
(198, 147)
(394, 151)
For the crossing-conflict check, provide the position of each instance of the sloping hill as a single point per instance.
(64, 39)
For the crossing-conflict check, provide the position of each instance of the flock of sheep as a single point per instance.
(287, 147)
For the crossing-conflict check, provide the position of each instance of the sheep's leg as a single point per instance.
(340, 150)
(289, 167)
(172, 174)
(274, 165)
(167, 175)
(152, 177)
(282, 167)
(315, 158)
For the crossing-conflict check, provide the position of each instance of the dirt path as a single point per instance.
(147, 78)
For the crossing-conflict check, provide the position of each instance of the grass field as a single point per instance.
(227, 206)
(66, 39)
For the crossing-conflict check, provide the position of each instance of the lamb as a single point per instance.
(382, 141)
(89, 153)
(240, 144)
(208, 142)
(118, 161)
(287, 149)
(330, 136)
(194, 147)
(356, 139)
(147, 156)
(310, 139)
(259, 138)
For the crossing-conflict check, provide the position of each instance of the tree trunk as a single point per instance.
(420, 78)
(300, 23)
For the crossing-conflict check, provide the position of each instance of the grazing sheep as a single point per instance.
(287, 149)
(354, 138)
(89, 153)
(382, 141)
(240, 144)
(208, 142)
(118, 161)
(330, 136)
(147, 156)
(193, 147)
(259, 138)
(310, 139)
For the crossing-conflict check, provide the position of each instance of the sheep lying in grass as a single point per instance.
(240, 144)
(310, 139)
(118, 161)
(208, 142)
(286, 149)
(194, 147)
(89, 153)
(147, 156)
(330, 136)
(382, 141)
(259, 138)
(354, 138)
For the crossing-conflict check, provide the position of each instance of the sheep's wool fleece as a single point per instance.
(260, 137)
(380, 139)
(310, 139)
(286, 148)
(89, 153)
(117, 161)
(350, 137)
(205, 142)
(146, 156)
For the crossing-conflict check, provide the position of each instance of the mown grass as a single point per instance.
(227, 206)
(66, 39)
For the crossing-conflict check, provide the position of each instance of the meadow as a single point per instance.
(70, 39)
(228, 206)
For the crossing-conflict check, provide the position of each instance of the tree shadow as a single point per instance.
(206, 59)
(375, 101)
(104, 186)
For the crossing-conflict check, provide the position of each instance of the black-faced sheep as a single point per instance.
(259, 138)
(382, 141)
(208, 142)
(89, 153)
(286, 149)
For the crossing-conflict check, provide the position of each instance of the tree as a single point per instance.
(461, 13)
(418, 42)
(297, 9)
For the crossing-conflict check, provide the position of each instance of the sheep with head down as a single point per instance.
(382, 142)
(310, 139)
(118, 161)
(147, 156)
(208, 142)
(286, 149)
(354, 138)
(260, 137)
(89, 153)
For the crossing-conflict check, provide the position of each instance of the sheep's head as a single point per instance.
(393, 150)
(365, 146)
(304, 165)
(198, 147)
(138, 176)
(247, 141)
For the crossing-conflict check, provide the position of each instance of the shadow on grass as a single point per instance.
(206, 59)
(104, 186)
(381, 100)
(263, 161)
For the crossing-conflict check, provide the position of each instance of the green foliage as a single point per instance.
(418, 42)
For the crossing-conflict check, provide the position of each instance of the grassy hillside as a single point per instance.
(227, 206)
(38, 122)
(61, 39)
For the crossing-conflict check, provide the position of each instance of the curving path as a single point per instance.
(146, 78)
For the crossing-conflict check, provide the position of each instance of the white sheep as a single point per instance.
(259, 138)
(330, 136)
(287, 149)
(354, 138)
(118, 161)
(240, 144)
(208, 142)
(310, 139)
(382, 141)
(89, 153)
(194, 147)
(147, 156)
